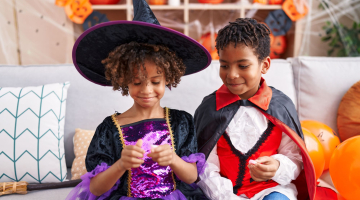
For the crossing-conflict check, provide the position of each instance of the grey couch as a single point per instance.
(315, 84)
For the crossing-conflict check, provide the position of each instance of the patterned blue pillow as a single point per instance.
(32, 133)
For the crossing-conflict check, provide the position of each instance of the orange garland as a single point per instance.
(291, 11)
(260, 1)
(76, 10)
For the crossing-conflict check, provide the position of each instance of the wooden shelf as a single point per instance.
(186, 7)
(191, 6)
(231, 6)
(167, 7)
(263, 7)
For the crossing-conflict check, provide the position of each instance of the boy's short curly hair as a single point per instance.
(246, 31)
(127, 59)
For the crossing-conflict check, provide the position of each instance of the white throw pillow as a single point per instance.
(280, 76)
(320, 83)
(32, 133)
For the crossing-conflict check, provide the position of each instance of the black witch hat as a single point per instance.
(96, 43)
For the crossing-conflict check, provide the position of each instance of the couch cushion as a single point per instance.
(82, 139)
(31, 133)
(88, 104)
(280, 76)
(320, 84)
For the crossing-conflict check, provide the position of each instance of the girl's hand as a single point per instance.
(131, 156)
(264, 169)
(163, 155)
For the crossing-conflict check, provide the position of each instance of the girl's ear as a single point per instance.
(168, 85)
(265, 65)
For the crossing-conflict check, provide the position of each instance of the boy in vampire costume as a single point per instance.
(249, 132)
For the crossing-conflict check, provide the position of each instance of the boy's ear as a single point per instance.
(265, 65)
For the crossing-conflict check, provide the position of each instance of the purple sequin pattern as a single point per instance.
(150, 179)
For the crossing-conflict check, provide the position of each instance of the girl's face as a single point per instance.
(148, 92)
(240, 69)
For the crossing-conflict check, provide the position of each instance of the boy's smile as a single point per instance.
(240, 69)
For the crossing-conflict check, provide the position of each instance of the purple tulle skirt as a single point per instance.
(176, 195)
(199, 158)
(82, 190)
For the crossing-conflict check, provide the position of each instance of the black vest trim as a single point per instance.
(244, 157)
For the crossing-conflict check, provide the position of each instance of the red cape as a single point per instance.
(216, 111)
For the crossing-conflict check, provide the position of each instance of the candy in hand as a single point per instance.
(153, 147)
(252, 162)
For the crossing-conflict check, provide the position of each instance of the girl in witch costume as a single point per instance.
(147, 152)
(250, 132)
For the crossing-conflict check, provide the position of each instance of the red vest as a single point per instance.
(233, 163)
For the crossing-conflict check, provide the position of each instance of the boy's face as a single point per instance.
(240, 69)
(148, 92)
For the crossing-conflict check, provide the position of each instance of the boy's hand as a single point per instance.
(264, 169)
(131, 156)
(163, 155)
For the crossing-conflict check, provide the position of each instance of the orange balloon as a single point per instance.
(339, 197)
(327, 137)
(345, 168)
(315, 151)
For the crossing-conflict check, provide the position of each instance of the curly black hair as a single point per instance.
(127, 59)
(246, 31)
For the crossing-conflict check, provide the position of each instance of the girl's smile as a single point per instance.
(147, 92)
(146, 99)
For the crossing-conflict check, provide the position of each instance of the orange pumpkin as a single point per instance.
(211, 1)
(348, 118)
(78, 10)
(209, 45)
(260, 1)
(275, 2)
(277, 46)
(214, 55)
(157, 2)
(104, 1)
(291, 11)
(327, 137)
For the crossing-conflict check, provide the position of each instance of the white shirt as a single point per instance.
(244, 130)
